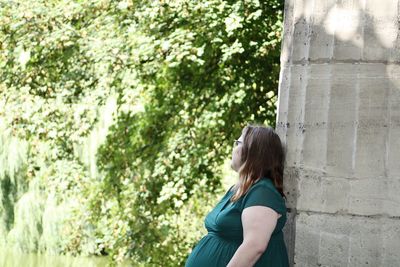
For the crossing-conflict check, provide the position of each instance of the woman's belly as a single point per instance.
(212, 251)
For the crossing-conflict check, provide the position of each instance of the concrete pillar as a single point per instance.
(339, 116)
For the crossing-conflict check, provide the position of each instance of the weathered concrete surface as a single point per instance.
(339, 116)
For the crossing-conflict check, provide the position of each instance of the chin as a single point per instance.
(232, 167)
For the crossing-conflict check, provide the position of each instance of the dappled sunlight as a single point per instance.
(344, 24)
(339, 114)
(384, 19)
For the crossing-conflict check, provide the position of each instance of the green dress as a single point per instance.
(225, 233)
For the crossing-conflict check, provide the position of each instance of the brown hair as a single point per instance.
(262, 155)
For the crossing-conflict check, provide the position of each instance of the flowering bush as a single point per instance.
(130, 108)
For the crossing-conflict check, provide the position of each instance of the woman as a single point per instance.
(245, 227)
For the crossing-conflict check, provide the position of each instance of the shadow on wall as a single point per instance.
(339, 116)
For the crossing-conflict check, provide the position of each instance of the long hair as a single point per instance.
(262, 155)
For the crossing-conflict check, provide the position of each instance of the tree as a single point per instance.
(206, 69)
(187, 75)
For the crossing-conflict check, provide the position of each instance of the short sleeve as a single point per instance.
(262, 194)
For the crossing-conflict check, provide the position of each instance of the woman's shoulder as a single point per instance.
(264, 193)
(265, 183)
(266, 186)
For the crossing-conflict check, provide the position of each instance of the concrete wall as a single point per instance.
(339, 115)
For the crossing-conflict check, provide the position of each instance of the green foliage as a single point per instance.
(187, 76)
(206, 68)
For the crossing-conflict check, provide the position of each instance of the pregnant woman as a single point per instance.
(245, 227)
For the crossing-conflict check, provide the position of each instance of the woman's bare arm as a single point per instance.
(258, 224)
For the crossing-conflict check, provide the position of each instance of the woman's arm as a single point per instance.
(258, 224)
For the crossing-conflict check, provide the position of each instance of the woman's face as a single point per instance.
(236, 154)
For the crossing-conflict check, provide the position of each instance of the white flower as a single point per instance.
(232, 23)
(24, 57)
